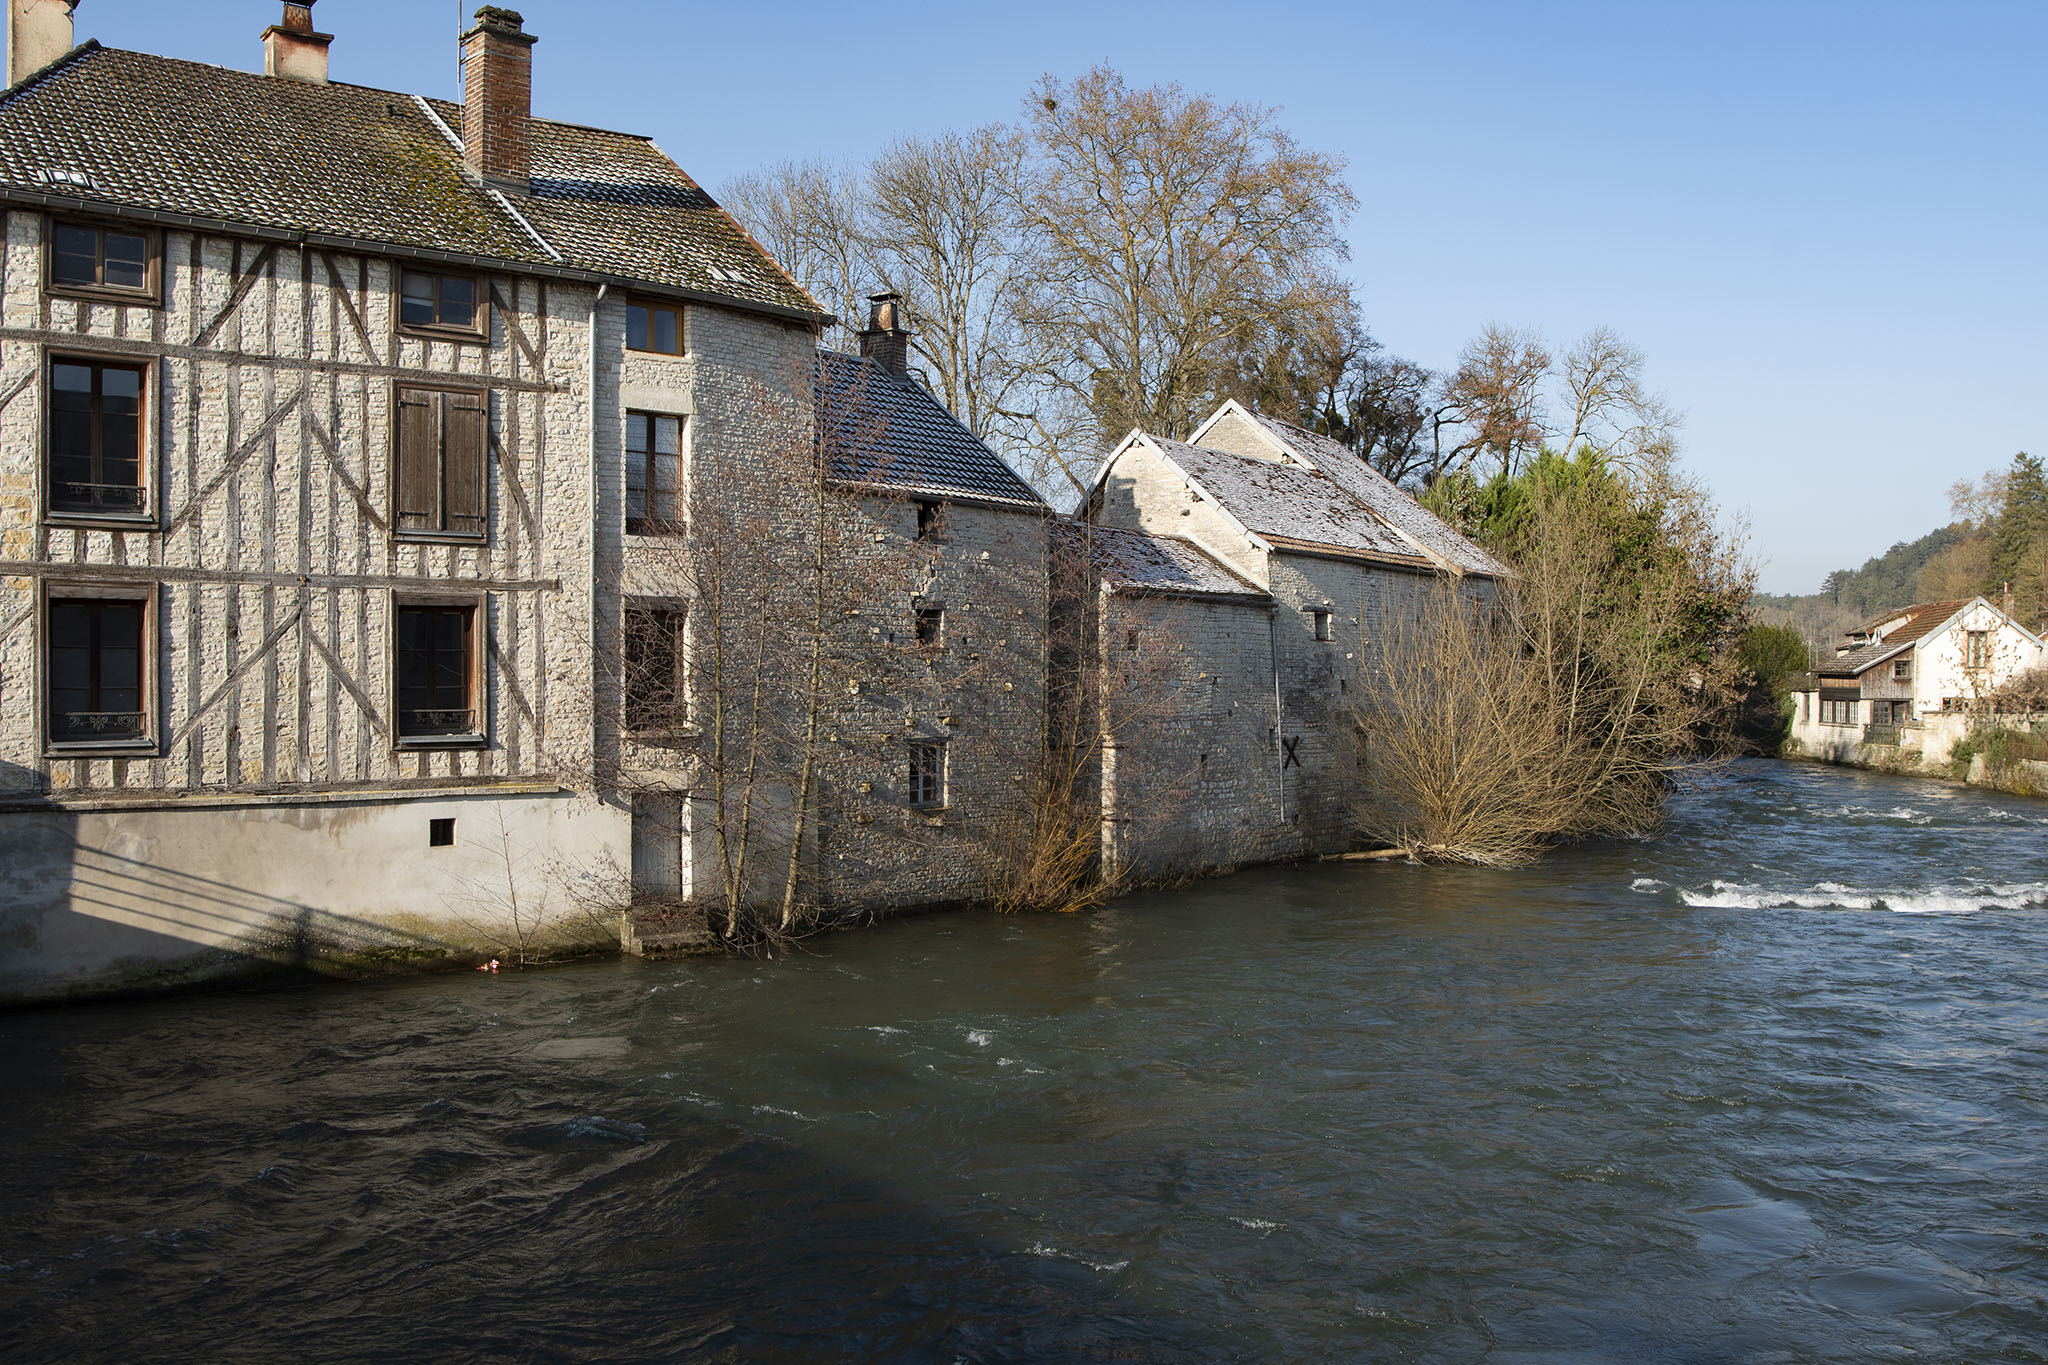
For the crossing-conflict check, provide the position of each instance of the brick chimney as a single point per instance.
(38, 33)
(887, 338)
(497, 99)
(292, 49)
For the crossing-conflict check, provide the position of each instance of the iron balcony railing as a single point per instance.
(99, 497)
(97, 724)
(439, 721)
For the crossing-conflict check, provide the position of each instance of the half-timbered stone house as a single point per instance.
(332, 420)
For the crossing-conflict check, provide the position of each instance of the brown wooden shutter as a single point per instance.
(419, 460)
(465, 439)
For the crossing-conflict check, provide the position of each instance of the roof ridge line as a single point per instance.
(43, 73)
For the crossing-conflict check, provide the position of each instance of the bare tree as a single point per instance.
(1492, 404)
(1161, 225)
(1602, 377)
(1562, 708)
(808, 215)
(943, 233)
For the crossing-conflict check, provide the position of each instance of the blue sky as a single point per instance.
(1823, 222)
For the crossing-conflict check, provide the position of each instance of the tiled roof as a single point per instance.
(1137, 561)
(1385, 500)
(888, 431)
(347, 161)
(1923, 618)
(1288, 501)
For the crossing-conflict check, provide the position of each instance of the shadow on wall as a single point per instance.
(87, 907)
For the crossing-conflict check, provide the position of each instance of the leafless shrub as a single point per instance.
(1561, 705)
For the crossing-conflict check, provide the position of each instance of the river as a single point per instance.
(1773, 1086)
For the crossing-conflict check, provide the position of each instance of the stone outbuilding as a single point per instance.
(1273, 562)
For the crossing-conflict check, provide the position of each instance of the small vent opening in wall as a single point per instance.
(441, 833)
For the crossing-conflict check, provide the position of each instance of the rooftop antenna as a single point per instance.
(460, 92)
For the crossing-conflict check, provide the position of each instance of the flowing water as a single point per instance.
(1771, 1087)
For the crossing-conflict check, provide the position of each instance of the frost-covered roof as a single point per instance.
(1288, 501)
(1140, 562)
(1381, 496)
(887, 430)
(131, 131)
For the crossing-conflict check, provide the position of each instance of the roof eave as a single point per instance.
(17, 196)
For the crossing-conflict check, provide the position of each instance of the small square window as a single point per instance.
(931, 627)
(927, 774)
(445, 302)
(103, 260)
(930, 521)
(441, 833)
(656, 327)
(1321, 619)
(1902, 670)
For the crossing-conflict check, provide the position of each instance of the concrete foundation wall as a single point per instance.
(122, 898)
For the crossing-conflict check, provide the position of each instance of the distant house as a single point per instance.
(1905, 665)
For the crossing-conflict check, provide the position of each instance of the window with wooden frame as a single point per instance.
(1976, 649)
(435, 672)
(927, 783)
(656, 695)
(115, 263)
(656, 327)
(1902, 670)
(96, 669)
(429, 301)
(654, 446)
(443, 438)
(96, 428)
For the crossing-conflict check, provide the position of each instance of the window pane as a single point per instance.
(416, 306)
(458, 301)
(127, 260)
(666, 333)
(636, 327)
(122, 388)
(665, 473)
(667, 431)
(68, 379)
(76, 258)
(636, 432)
(636, 505)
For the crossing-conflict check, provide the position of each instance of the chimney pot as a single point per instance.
(292, 50)
(887, 338)
(497, 99)
(38, 33)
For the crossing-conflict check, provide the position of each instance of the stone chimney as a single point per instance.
(887, 338)
(292, 49)
(38, 33)
(497, 99)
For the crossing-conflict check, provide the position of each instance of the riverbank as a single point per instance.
(1998, 753)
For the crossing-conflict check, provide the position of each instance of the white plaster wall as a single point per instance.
(1938, 661)
(113, 899)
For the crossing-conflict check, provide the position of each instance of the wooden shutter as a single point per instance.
(465, 438)
(419, 460)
